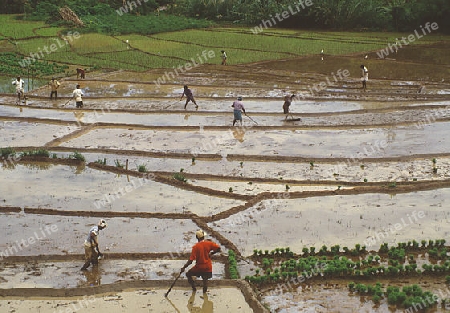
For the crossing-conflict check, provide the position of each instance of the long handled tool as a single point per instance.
(67, 102)
(167, 293)
(251, 119)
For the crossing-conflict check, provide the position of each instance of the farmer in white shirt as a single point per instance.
(77, 93)
(19, 88)
(364, 76)
(224, 57)
(91, 250)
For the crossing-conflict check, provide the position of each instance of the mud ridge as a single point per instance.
(75, 134)
(105, 214)
(169, 181)
(179, 128)
(240, 157)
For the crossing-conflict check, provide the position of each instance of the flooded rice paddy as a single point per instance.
(356, 165)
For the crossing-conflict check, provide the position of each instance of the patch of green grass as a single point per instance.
(17, 29)
(48, 31)
(89, 43)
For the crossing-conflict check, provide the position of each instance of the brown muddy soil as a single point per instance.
(356, 163)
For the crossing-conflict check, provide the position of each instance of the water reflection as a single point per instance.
(31, 166)
(238, 134)
(93, 276)
(78, 116)
(79, 168)
(207, 306)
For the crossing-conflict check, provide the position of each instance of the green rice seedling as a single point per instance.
(118, 164)
(77, 156)
(142, 169)
(6, 152)
(230, 189)
(180, 177)
(39, 152)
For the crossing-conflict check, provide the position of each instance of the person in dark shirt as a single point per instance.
(189, 97)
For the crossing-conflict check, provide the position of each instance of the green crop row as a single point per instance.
(232, 263)
(407, 297)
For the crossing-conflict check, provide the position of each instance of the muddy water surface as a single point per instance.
(317, 221)
(83, 189)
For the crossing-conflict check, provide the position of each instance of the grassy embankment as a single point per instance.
(19, 38)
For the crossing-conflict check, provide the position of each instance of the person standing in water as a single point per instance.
(364, 76)
(189, 97)
(238, 109)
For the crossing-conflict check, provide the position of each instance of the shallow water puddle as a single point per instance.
(83, 188)
(251, 188)
(352, 170)
(367, 219)
(139, 301)
(68, 274)
(35, 234)
(334, 297)
(309, 143)
(18, 134)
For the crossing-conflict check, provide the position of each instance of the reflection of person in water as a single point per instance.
(93, 278)
(207, 307)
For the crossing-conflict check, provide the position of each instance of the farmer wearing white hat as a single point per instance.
(91, 251)
(201, 253)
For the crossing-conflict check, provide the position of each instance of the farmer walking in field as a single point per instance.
(286, 105)
(54, 85)
(201, 254)
(81, 72)
(364, 76)
(77, 94)
(19, 88)
(237, 111)
(189, 97)
(91, 250)
(224, 57)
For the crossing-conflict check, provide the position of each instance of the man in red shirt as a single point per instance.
(201, 253)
